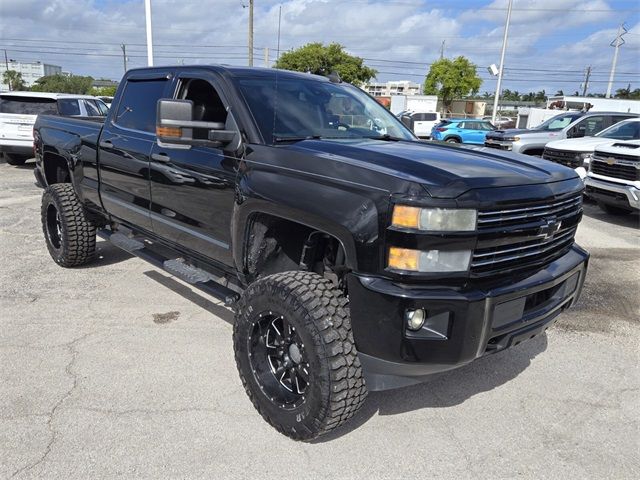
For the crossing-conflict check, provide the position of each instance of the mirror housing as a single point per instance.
(175, 125)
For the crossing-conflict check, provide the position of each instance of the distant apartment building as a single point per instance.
(31, 71)
(396, 87)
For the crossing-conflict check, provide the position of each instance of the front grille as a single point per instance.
(525, 236)
(563, 157)
(600, 166)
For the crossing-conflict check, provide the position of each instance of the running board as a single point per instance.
(200, 279)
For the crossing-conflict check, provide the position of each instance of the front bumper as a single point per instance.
(462, 324)
(17, 147)
(499, 144)
(616, 194)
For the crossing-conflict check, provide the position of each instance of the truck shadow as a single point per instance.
(107, 254)
(592, 210)
(447, 389)
(219, 310)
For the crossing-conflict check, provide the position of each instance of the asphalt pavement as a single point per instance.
(119, 370)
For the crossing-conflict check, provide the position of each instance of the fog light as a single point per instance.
(415, 319)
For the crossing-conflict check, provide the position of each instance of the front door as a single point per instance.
(193, 188)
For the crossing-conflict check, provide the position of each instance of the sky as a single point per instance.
(551, 42)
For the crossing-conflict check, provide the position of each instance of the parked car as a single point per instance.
(577, 152)
(502, 123)
(613, 179)
(420, 123)
(566, 125)
(356, 258)
(18, 112)
(464, 130)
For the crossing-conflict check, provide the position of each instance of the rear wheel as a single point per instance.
(13, 159)
(70, 237)
(613, 210)
(295, 354)
(452, 140)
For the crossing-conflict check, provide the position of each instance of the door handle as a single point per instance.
(106, 144)
(161, 157)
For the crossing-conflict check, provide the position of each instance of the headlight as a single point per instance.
(585, 157)
(512, 139)
(434, 219)
(436, 261)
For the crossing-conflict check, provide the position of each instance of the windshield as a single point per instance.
(625, 130)
(559, 122)
(289, 108)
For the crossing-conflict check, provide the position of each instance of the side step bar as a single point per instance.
(197, 277)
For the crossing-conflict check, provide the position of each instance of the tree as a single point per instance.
(104, 91)
(64, 84)
(323, 60)
(450, 79)
(14, 80)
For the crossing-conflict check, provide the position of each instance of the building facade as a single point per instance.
(396, 87)
(31, 71)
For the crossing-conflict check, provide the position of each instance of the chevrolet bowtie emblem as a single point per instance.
(610, 160)
(550, 228)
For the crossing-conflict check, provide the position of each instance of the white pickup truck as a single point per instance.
(614, 177)
(18, 112)
(577, 152)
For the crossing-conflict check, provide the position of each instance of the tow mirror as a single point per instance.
(175, 125)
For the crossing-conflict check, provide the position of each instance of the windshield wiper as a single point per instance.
(295, 139)
(386, 137)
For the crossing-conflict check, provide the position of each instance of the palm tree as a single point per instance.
(14, 80)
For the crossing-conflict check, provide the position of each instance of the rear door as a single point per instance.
(193, 188)
(18, 114)
(125, 145)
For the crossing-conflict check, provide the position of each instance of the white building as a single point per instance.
(397, 87)
(31, 71)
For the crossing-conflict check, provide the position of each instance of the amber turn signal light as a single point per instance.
(405, 216)
(168, 131)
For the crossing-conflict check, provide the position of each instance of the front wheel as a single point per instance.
(70, 237)
(13, 159)
(295, 354)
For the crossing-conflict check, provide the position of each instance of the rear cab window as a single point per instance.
(137, 107)
(26, 105)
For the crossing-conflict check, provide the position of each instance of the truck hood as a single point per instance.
(526, 134)
(445, 171)
(584, 144)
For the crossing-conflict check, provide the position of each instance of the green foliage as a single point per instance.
(64, 84)
(323, 60)
(450, 79)
(627, 93)
(14, 80)
(104, 91)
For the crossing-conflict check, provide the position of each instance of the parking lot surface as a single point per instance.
(119, 370)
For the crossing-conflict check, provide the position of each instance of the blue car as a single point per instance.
(463, 130)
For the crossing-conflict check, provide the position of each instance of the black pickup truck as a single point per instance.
(355, 256)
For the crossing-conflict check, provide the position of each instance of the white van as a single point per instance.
(18, 112)
(420, 123)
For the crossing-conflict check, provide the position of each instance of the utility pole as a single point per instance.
(585, 85)
(147, 14)
(279, 22)
(617, 43)
(6, 62)
(442, 50)
(500, 73)
(266, 57)
(124, 56)
(251, 33)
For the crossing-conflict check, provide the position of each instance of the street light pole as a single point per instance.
(147, 14)
(501, 71)
(251, 33)
(617, 43)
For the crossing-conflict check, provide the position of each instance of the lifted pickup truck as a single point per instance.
(355, 256)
